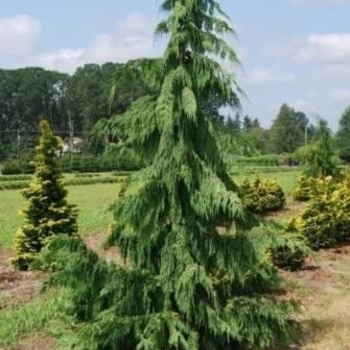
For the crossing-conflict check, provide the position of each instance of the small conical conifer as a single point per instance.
(186, 284)
(46, 211)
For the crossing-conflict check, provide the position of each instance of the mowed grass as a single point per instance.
(287, 179)
(93, 202)
(323, 287)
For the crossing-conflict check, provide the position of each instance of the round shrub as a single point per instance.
(325, 222)
(289, 258)
(262, 197)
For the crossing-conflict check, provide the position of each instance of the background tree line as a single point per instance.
(75, 103)
(71, 103)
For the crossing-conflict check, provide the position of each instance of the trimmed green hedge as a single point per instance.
(75, 164)
(5, 178)
(15, 185)
(247, 170)
(265, 160)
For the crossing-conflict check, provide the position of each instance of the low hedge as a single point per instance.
(87, 175)
(74, 164)
(15, 185)
(265, 160)
(5, 178)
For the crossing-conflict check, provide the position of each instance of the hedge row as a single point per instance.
(6, 178)
(266, 160)
(15, 185)
(247, 170)
(75, 164)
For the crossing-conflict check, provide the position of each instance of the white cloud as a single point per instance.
(266, 76)
(340, 95)
(19, 34)
(133, 38)
(303, 104)
(324, 48)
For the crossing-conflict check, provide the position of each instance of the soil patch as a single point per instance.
(17, 287)
(323, 287)
(34, 342)
(96, 242)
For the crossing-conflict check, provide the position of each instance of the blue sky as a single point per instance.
(293, 51)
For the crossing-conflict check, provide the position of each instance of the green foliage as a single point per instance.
(14, 185)
(287, 131)
(46, 210)
(262, 197)
(34, 316)
(25, 95)
(303, 190)
(17, 166)
(80, 180)
(343, 135)
(302, 154)
(186, 284)
(15, 178)
(263, 160)
(111, 161)
(325, 221)
(291, 251)
(322, 160)
(93, 203)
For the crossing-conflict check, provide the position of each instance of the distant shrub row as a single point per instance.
(266, 160)
(15, 185)
(75, 164)
(5, 178)
(248, 170)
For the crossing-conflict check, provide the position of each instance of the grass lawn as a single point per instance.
(34, 321)
(93, 202)
(287, 179)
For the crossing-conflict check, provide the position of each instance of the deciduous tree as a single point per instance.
(343, 135)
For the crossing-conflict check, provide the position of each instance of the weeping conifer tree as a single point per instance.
(186, 284)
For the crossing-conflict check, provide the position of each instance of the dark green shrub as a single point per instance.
(285, 248)
(10, 178)
(291, 252)
(16, 185)
(263, 160)
(262, 197)
(13, 185)
(11, 167)
(94, 180)
(17, 166)
(87, 175)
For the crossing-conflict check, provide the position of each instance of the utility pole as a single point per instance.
(306, 135)
(71, 131)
